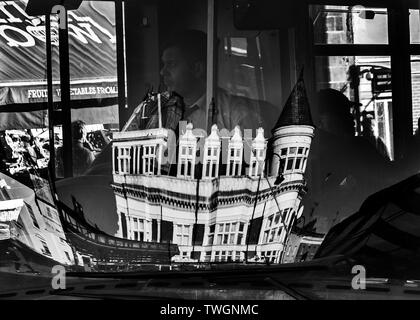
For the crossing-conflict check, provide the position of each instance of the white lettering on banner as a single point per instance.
(80, 34)
(112, 38)
(37, 32)
(82, 91)
(82, 29)
(21, 11)
(10, 17)
(3, 20)
(107, 90)
(37, 94)
(30, 42)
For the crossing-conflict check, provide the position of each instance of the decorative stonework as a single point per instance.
(234, 194)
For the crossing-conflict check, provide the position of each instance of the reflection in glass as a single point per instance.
(366, 82)
(414, 20)
(415, 91)
(349, 24)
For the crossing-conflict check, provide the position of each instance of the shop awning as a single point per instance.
(92, 47)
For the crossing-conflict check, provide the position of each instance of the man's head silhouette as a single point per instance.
(184, 64)
(335, 112)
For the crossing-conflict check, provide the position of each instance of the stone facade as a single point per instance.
(227, 197)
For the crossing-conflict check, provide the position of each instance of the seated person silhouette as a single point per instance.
(184, 62)
(184, 74)
(343, 170)
(83, 155)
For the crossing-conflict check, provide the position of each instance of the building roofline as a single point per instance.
(296, 111)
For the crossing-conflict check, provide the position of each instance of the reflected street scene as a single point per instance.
(209, 150)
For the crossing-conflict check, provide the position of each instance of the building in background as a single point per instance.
(35, 235)
(228, 197)
(363, 79)
(302, 245)
(31, 224)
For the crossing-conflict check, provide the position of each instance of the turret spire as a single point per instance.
(296, 110)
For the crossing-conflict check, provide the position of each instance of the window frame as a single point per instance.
(184, 232)
(275, 225)
(234, 162)
(257, 162)
(399, 49)
(211, 162)
(186, 163)
(149, 159)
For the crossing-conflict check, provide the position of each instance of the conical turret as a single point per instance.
(296, 110)
(292, 135)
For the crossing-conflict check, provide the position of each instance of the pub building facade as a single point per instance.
(236, 200)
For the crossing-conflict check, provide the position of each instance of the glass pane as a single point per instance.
(93, 78)
(297, 163)
(352, 154)
(239, 241)
(269, 221)
(24, 136)
(232, 239)
(225, 239)
(23, 61)
(289, 165)
(185, 240)
(415, 91)
(349, 24)
(92, 51)
(363, 80)
(414, 26)
(248, 74)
